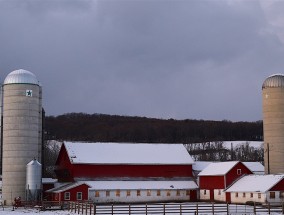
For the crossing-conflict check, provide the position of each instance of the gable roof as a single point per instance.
(127, 153)
(221, 168)
(255, 183)
(66, 186)
(255, 167)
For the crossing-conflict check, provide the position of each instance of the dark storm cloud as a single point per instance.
(179, 59)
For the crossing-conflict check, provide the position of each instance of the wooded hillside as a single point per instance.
(113, 128)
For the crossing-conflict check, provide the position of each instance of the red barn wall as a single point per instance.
(279, 186)
(232, 175)
(102, 170)
(211, 182)
(73, 194)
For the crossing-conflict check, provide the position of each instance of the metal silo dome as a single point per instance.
(276, 80)
(21, 76)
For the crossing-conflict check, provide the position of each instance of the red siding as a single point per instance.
(73, 194)
(211, 182)
(232, 175)
(113, 170)
(279, 186)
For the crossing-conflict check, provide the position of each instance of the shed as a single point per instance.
(257, 188)
(77, 191)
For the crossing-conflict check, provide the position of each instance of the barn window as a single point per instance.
(188, 192)
(272, 195)
(97, 194)
(128, 193)
(244, 194)
(67, 196)
(281, 194)
(107, 193)
(239, 171)
(259, 195)
(204, 192)
(79, 196)
(168, 193)
(148, 192)
(251, 195)
(178, 192)
(117, 193)
(219, 192)
(138, 193)
(158, 192)
(236, 195)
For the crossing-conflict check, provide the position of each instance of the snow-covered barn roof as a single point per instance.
(255, 167)
(66, 186)
(200, 165)
(127, 153)
(255, 183)
(48, 180)
(141, 185)
(221, 168)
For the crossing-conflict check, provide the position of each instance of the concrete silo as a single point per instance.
(273, 123)
(22, 130)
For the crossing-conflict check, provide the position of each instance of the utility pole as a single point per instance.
(268, 164)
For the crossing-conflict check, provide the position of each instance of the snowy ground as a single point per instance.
(21, 211)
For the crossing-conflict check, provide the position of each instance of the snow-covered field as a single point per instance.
(21, 211)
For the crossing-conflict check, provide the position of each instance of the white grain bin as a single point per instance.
(273, 123)
(33, 181)
(22, 130)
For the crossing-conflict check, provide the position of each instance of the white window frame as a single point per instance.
(67, 196)
(239, 171)
(77, 196)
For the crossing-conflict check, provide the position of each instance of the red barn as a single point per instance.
(218, 176)
(128, 162)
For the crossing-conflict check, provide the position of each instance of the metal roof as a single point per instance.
(21, 76)
(276, 80)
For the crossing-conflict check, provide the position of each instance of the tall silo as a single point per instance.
(273, 123)
(22, 130)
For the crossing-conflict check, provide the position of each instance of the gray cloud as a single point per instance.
(166, 59)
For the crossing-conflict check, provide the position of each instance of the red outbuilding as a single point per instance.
(77, 191)
(218, 176)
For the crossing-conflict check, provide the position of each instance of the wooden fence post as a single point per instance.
(254, 208)
(146, 209)
(227, 208)
(196, 208)
(213, 208)
(268, 208)
(95, 209)
(129, 209)
(180, 209)
(91, 209)
(112, 209)
(86, 205)
(164, 209)
(282, 207)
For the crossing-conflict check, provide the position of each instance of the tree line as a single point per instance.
(114, 128)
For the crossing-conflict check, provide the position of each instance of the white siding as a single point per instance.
(204, 194)
(247, 198)
(219, 195)
(145, 196)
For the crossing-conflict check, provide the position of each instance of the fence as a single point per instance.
(173, 208)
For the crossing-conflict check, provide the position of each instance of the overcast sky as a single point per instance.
(191, 59)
